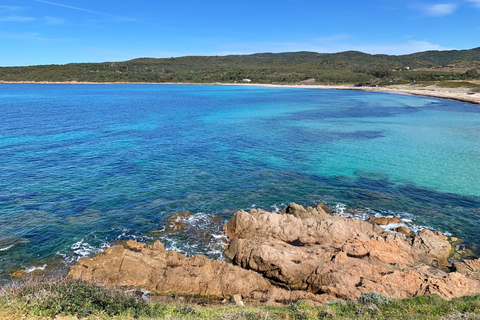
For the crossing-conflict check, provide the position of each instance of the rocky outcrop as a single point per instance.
(153, 268)
(316, 256)
(306, 248)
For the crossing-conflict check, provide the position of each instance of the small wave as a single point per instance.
(83, 249)
(364, 214)
(200, 234)
(342, 210)
(8, 242)
(31, 269)
(7, 247)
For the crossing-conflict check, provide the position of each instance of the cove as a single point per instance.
(83, 166)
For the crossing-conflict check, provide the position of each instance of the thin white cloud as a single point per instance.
(86, 10)
(439, 9)
(54, 20)
(16, 18)
(9, 35)
(11, 8)
(29, 36)
(70, 7)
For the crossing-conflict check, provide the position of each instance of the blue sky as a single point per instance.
(63, 31)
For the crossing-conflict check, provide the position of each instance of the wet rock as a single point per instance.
(176, 221)
(195, 232)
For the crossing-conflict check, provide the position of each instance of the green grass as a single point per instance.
(70, 299)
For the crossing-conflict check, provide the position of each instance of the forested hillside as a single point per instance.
(289, 67)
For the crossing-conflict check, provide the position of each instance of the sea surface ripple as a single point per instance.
(85, 166)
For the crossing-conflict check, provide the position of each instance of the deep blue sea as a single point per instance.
(84, 166)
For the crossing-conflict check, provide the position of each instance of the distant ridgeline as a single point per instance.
(289, 67)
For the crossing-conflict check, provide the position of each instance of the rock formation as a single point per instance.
(309, 249)
(317, 256)
(153, 268)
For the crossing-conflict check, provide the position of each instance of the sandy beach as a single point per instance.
(459, 94)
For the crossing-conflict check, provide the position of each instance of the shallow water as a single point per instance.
(83, 166)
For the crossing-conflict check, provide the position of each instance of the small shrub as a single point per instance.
(374, 298)
(299, 306)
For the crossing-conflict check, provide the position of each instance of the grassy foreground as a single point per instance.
(76, 299)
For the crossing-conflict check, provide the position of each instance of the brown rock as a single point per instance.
(318, 256)
(333, 256)
(383, 221)
(319, 212)
(158, 270)
(302, 230)
(403, 230)
(432, 246)
(470, 268)
(154, 268)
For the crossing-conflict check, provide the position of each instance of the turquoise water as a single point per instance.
(83, 166)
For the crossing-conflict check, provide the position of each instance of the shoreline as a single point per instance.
(459, 94)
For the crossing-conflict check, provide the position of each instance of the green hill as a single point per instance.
(286, 67)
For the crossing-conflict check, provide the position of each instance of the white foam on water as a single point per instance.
(7, 247)
(83, 249)
(278, 209)
(407, 222)
(202, 235)
(31, 269)
(123, 234)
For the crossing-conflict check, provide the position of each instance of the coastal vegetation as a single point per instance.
(74, 299)
(290, 67)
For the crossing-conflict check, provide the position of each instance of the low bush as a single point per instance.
(73, 297)
(375, 298)
(77, 299)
